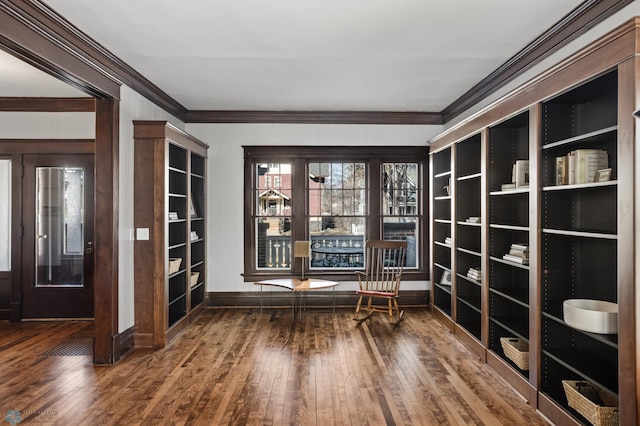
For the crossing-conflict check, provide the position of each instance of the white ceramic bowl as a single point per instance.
(595, 316)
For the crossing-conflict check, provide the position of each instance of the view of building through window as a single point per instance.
(273, 215)
(337, 194)
(337, 197)
(400, 194)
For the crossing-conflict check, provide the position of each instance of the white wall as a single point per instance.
(45, 125)
(133, 106)
(225, 210)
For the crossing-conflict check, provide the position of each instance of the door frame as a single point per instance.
(65, 303)
(34, 34)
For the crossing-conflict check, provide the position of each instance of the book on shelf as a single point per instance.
(521, 173)
(516, 259)
(561, 170)
(194, 236)
(520, 246)
(580, 166)
(507, 186)
(448, 241)
(474, 274)
(519, 250)
(173, 216)
(473, 219)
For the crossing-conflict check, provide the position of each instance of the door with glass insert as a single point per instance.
(57, 257)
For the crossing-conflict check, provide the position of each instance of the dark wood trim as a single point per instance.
(106, 229)
(555, 414)
(48, 104)
(627, 291)
(418, 152)
(53, 146)
(585, 16)
(315, 117)
(299, 155)
(471, 342)
(123, 343)
(15, 299)
(34, 32)
(316, 299)
(517, 381)
(149, 129)
(594, 59)
(35, 38)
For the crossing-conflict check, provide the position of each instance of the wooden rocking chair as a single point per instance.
(384, 260)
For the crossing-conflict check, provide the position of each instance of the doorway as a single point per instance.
(57, 241)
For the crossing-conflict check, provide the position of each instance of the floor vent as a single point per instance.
(77, 345)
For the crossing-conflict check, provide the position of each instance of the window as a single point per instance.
(337, 198)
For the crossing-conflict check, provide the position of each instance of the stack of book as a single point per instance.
(473, 219)
(519, 176)
(518, 253)
(475, 274)
(173, 215)
(448, 241)
(580, 166)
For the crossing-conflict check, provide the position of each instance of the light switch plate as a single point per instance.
(142, 234)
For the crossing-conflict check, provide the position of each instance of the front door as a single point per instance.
(57, 218)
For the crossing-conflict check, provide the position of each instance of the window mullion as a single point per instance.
(374, 221)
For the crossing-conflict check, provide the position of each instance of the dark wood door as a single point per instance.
(57, 246)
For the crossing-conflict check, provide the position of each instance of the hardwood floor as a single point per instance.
(238, 367)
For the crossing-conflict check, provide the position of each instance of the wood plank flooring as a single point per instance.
(239, 367)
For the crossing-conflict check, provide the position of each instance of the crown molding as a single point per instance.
(315, 117)
(585, 16)
(34, 32)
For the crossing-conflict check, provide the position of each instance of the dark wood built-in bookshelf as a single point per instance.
(170, 267)
(579, 234)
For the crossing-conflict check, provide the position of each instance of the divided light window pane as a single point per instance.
(5, 215)
(273, 215)
(400, 206)
(337, 196)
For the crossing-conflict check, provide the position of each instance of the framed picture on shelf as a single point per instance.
(603, 175)
(446, 278)
(192, 207)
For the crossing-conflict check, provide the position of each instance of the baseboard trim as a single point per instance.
(282, 299)
(123, 343)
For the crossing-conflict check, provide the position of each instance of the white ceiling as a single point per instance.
(308, 55)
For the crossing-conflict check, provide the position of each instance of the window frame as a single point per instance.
(299, 157)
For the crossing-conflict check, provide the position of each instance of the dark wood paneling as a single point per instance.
(48, 104)
(5, 294)
(107, 172)
(46, 146)
(123, 343)
(574, 24)
(320, 298)
(315, 117)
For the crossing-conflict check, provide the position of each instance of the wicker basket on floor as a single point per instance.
(517, 350)
(599, 415)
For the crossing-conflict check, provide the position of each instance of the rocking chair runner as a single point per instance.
(384, 260)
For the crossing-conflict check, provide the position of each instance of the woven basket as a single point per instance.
(517, 350)
(174, 264)
(194, 278)
(598, 415)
